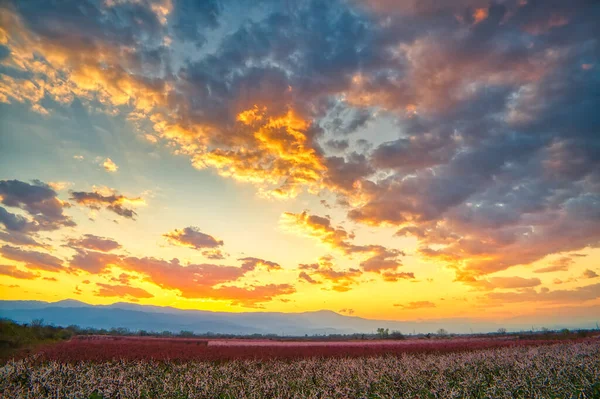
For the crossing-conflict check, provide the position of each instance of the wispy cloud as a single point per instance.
(192, 237)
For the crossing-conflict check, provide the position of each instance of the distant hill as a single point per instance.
(155, 318)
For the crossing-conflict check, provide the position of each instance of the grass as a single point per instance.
(19, 340)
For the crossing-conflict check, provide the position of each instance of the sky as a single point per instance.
(389, 159)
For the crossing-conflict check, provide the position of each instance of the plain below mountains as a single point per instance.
(137, 317)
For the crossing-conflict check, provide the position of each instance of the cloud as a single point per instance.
(589, 274)
(338, 145)
(122, 291)
(495, 163)
(110, 166)
(416, 305)
(325, 270)
(382, 259)
(250, 263)
(17, 238)
(93, 261)
(318, 227)
(205, 280)
(40, 202)
(393, 277)
(90, 241)
(33, 259)
(14, 272)
(192, 237)
(13, 222)
(559, 265)
(503, 283)
(191, 19)
(378, 259)
(344, 173)
(303, 276)
(579, 294)
(110, 200)
(214, 254)
(59, 185)
(124, 278)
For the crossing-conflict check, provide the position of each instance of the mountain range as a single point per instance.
(137, 317)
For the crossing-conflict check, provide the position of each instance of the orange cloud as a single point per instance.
(480, 14)
(341, 280)
(207, 280)
(272, 151)
(503, 283)
(416, 305)
(122, 291)
(317, 227)
(378, 258)
(14, 272)
(559, 265)
(93, 262)
(72, 66)
(579, 294)
(33, 259)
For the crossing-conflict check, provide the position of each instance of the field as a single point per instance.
(106, 348)
(126, 367)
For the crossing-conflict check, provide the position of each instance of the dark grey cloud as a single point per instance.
(131, 31)
(91, 241)
(17, 238)
(115, 203)
(251, 263)
(190, 19)
(343, 172)
(192, 237)
(40, 202)
(338, 145)
(83, 23)
(13, 222)
(214, 254)
(345, 120)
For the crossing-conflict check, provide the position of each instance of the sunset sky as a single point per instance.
(390, 159)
